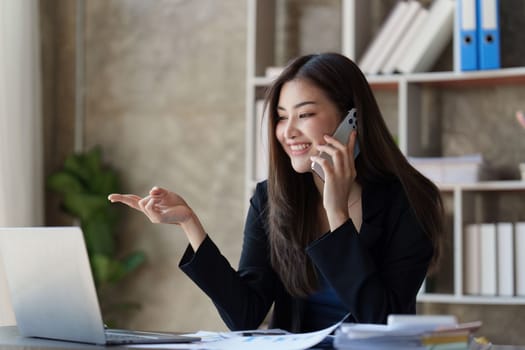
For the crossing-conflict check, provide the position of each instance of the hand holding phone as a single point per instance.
(341, 134)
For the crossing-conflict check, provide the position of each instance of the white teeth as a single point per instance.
(299, 147)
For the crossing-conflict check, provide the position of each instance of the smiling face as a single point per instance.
(305, 116)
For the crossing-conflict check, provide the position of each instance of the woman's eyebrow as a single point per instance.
(298, 105)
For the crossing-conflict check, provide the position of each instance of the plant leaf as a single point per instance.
(105, 182)
(106, 269)
(64, 182)
(99, 235)
(75, 165)
(84, 205)
(133, 261)
(101, 266)
(93, 160)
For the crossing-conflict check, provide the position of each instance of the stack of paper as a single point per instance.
(410, 332)
(449, 170)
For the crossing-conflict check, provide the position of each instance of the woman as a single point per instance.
(359, 243)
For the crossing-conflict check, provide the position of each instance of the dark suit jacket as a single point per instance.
(375, 272)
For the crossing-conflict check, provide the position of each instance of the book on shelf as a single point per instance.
(394, 36)
(519, 231)
(406, 40)
(488, 262)
(505, 258)
(382, 36)
(472, 260)
(431, 39)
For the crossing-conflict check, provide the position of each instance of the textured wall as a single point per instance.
(165, 96)
(165, 87)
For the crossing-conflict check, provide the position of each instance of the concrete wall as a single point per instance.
(165, 86)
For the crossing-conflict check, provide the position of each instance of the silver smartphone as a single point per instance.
(342, 133)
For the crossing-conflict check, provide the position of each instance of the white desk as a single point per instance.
(10, 339)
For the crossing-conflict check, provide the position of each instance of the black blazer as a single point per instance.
(375, 272)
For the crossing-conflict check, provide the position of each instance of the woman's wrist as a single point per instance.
(194, 231)
(337, 219)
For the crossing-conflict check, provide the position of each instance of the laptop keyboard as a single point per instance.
(130, 337)
(123, 338)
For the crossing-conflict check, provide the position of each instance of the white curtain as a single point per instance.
(21, 148)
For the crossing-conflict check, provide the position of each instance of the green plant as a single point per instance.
(84, 184)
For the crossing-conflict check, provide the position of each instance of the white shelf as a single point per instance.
(469, 299)
(510, 75)
(435, 77)
(514, 185)
(410, 89)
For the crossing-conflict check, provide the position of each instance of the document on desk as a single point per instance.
(256, 340)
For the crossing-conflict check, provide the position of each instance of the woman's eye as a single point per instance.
(280, 117)
(305, 115)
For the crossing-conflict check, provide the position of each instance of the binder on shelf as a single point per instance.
(520, 257)
(505, 258)
(472, 260)
(413, 29)
(431, 39)
(487, 233)
(394, 36)
(379, 40)
(468, 34)
(488, 34)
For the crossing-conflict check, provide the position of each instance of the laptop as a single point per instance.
(52, 290)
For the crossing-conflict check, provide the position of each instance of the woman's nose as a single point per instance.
(291, 130)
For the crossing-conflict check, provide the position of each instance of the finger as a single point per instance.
(351, 147)
(335, 143)
(146, 205)
(324, 163)
(339, 157)
(143, 202)
(130, 200)
(158, 191)
(151, 211)
(352, 144)
(336, 146)
(352, 139)
(117, 197)
(333, 152)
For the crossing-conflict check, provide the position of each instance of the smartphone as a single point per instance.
(342, 133)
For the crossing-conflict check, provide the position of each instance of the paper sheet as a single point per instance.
(235, 341)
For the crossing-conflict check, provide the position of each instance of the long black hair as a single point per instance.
(293, 197)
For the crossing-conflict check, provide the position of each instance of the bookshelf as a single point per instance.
(416, 105)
